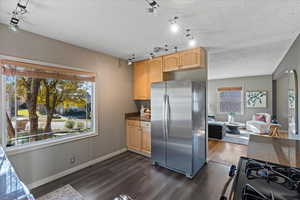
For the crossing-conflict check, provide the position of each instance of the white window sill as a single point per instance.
(46, 143)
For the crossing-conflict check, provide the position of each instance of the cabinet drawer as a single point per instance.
(133, 123)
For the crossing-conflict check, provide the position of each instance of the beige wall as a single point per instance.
(251, 83)
(114, 98)
(291, 61)
(282, 101)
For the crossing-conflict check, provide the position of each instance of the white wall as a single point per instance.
(114, 98)
(252, 83)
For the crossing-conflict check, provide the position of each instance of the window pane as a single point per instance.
(230, 101)
(40, 109)
(10, 109)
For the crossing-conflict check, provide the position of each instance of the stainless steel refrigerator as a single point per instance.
(178, 126)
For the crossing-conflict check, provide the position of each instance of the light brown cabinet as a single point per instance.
(171, 62)
(139, 137)
(193, 58)
(141, 80)
(146, 138)
(134, 137)
(155, 70)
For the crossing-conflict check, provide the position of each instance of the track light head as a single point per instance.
(131, 60)
(153, 6)
(175, 49)
(192, 42)
(166, 47)
(21, 8)
(174, 26)
(151, 55)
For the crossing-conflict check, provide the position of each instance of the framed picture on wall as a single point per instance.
(256, 99)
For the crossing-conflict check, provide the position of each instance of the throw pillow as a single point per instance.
(260, 117)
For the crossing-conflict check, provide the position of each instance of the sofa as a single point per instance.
(258, 126)
(216, 130)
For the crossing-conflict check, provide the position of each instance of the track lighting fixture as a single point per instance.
(153, 6)
(13, 24)
(174, 27)
(166, 47)
(151, 56)
(17, 14)
(188, 33)
(131, 60)
(175, 49)
(192, 42)
(189, 36)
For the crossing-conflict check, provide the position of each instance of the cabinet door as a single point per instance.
(141, 90)
(146, 139)
(193, 58)
(134, 137)
(155, 70)
(171, 62)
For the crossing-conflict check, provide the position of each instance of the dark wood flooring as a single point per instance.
(134, 175)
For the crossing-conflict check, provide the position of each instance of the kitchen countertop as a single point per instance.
(276, 150)
(10, 185)
(136, 116)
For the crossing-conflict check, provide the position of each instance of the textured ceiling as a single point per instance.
(229, 29)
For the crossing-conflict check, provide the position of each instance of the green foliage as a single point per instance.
(70, 124)
(23, 113)
(62, 93)
(80, 125)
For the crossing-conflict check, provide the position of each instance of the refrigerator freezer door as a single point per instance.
(158, 142)
(179, 126)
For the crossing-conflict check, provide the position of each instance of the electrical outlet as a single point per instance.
(72, 160)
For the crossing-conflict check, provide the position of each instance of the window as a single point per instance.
(45, 103)
(230, 100)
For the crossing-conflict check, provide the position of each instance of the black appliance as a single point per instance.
(260, 180)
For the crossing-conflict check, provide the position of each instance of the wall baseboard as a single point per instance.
(74, 169)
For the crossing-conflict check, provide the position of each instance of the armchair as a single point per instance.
(257, 126)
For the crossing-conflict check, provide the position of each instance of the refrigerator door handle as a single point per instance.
(164, 116)
(167, 116)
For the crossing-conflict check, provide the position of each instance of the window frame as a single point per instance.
(242, 102)
(12, 150)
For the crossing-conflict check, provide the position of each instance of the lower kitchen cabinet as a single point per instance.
(146, 138)
(139, 137)
(134, 136)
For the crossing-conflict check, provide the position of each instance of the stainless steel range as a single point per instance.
(259, 180)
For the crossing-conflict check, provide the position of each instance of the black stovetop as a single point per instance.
(260, 180)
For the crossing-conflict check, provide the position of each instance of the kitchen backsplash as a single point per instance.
(139, 103)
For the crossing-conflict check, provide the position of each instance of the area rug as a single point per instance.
(242, 138)
(66, 192)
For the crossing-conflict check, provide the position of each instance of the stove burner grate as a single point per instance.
(250, 193)
(286, 176)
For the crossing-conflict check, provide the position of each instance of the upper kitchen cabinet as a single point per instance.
(192, 58)
(141, 89)
(155, 70)
(171, 62)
